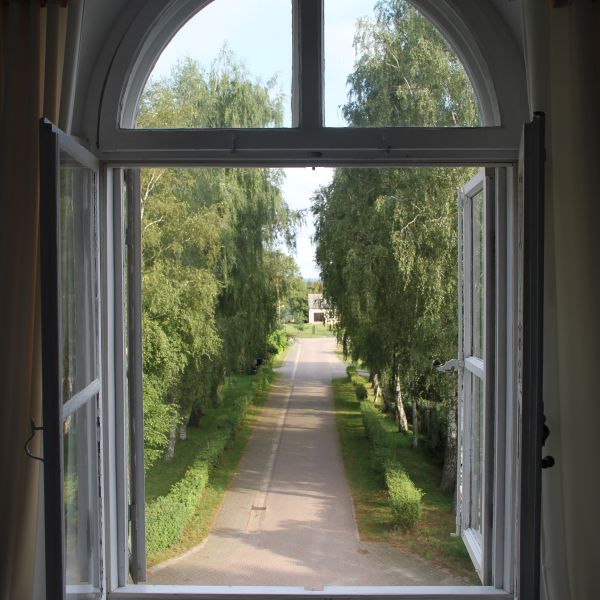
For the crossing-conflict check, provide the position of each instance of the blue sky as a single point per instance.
(260, 33)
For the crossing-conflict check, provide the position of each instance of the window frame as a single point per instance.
(494, 145)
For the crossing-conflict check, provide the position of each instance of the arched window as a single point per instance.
(490, 89)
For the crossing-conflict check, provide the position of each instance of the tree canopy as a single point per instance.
(212, 275)
(386, 238)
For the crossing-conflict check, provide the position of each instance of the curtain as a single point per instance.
(563, 72)
(32, 53)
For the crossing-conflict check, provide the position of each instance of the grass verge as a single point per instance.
(431, 538)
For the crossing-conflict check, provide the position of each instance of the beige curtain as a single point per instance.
(32, 42)
(563, 68)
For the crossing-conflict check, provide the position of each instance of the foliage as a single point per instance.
(361, 391)
(405, 497)
(168, 514)
(386, 239)
(213, 280)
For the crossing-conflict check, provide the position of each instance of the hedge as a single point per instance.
(404, 496)
(167, 516)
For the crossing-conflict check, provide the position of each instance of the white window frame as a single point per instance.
(494, 145)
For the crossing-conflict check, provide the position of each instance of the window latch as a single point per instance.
(34, 428)
(452, 365)
(547, 461)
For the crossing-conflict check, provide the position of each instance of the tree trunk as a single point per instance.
(170, 453)
(450, 455)
(415, 423)
(399, 405)
(183, 431)
(376, 388)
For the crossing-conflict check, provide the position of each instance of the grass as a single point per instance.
(162, 476)
(431, 538)
(309, 330)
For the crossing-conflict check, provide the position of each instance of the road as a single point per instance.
(288, 519)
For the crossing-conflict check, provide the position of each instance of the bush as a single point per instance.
(167, 516)
(277, 341)
(351, 371)
(404, 497)
(361, 392)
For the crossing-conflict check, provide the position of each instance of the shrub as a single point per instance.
(351, 371)
(167, 516)
(361, 391)
(404, 497)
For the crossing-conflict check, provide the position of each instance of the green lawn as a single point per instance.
(306, 330)
(431, 538)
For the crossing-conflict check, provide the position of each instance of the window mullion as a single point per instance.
(134, 379)
(307, 88)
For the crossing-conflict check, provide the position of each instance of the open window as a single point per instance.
(71, 367)
(500, 351)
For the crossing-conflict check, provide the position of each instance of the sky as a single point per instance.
(260, 33)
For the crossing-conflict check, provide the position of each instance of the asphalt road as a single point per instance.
(288, 519)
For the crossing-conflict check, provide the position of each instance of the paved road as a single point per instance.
(288, 518)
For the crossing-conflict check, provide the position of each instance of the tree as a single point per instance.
(211, 277)
(386, 242)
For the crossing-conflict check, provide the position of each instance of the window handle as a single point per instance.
(452, 365)
(547, 461)
(34, 428)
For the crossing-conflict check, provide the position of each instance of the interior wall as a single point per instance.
(562, 58)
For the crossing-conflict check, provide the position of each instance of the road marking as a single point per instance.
(259, 506)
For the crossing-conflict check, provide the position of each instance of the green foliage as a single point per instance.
(166, 516)
(386, 238)
(351, 371)
(277, 341)
(213, 279)
(404, 497)
(361, 391)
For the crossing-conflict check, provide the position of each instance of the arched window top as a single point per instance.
(463, 35)
(385, 65)
(230, 65)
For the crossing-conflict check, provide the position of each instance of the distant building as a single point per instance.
(318, 310)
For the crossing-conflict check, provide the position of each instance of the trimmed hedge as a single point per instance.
(167, 516)
(404, 496)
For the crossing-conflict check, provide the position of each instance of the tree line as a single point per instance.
(213, 276)
(386, 238)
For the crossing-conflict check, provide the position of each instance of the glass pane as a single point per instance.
(386, 65)
(478, 274)
(79, 268)
(476, 455)
(81, 499)
(229, 66)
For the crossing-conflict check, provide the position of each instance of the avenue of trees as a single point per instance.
(386, 238)
(213, 279)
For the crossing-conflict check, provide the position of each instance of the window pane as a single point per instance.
(78, 264)
(478, 274)
(476, 457)
(229, 66)
(81, 499)
(387, 65)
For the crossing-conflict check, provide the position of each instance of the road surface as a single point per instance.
(288, 519)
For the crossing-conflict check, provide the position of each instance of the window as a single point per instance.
(499, 436)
